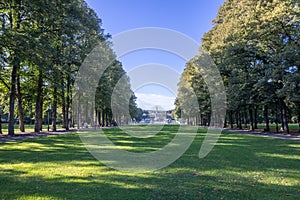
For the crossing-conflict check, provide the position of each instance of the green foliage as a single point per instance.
(44, 41)
(255, 45)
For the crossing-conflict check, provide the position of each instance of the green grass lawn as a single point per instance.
(239, 167)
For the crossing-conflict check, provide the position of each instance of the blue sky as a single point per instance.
(190, 17)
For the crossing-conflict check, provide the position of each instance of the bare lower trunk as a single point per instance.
(245, 119)
(225, 123)
(231, 119)
(98, 117)
(277, 118)
(78, 112)
(63, 110)
(54, 109)
(299, 116)
(208, 116)
(92, 115)
(63, 104)
(103, 117)
(67, 103)
(106, 117)
(266, 115)
(238, 120)
(255, 117)
(38, 104)
(20, 105)
(251, 118)
(12, 96)
(285, 118)
(41, 116)
(0, 125)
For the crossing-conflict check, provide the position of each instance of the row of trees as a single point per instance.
(255, 45)
(42, 46)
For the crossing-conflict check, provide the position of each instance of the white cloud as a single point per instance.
(151, 101)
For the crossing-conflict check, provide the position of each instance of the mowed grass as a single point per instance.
(239, 167)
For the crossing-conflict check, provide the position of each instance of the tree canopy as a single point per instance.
(43, 44)
(255, 45)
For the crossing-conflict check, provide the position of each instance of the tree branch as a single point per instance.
(5, 84)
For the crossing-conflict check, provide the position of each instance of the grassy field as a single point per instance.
(239, 167)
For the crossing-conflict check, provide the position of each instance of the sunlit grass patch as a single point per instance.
(239, 167)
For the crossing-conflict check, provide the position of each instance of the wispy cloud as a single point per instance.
(151, 101)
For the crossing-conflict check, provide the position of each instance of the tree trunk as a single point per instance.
(54, 109)
(41, 115)
(63, 104)
(78, 112)
(20, 105)
(266, 115)
(245, 119)
(255, 117)
(281, 117)
(15, 19)
(277, 118)
(86, 108)
(240, 120)
(71, 112)
(12, 96)
(299, 116)
(106, 117)
(231, 119)
(208, 118)
(63, 110)
(92, 115)
(99, 117)
(237, 119)
(38, 104)
(103, 117)
(284, 118)
(1, 123)
(68, 102)
(225, 122)
(201, 120)
(251, 118)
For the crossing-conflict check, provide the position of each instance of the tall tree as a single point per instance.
(250, 42)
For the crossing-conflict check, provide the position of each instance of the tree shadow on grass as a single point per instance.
(239, 167)
(180, 185)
